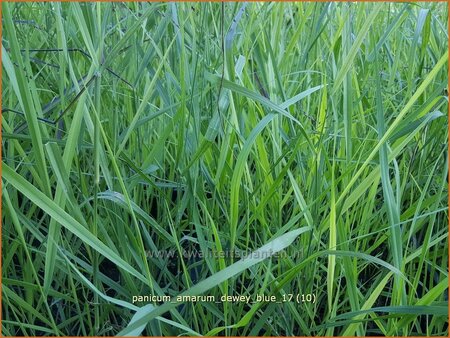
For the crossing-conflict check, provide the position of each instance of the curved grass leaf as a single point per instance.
(255, 257)
(67, 221)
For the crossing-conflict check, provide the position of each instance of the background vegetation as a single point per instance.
(135, 128)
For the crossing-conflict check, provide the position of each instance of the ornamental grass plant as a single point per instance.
(280, 167)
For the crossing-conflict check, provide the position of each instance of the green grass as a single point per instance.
(313, 135)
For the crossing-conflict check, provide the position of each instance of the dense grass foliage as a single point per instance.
(147, 146)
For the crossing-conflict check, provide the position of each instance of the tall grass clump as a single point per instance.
(149, 148)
